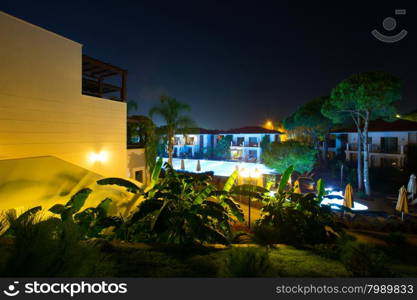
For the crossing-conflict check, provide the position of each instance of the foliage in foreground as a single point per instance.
(295, 219)
(246, 262)
(48, 247)
(176, 209)
(182, 209)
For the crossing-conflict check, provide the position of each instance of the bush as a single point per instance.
(364, 260)
(246, 262)
(204, 265)
(280, 156)
(49, 248)
(396, 239)
(333, 250)
(297, 222)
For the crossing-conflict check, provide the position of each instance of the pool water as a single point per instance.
(219, 167)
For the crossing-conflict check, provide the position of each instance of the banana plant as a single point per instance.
(183, 209)
(23, 218)
(72, 206)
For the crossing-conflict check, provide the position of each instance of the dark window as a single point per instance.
(139, 175)
(201, 142)
(389, 145)
(332, 141)
(253, 142)
(240, 141)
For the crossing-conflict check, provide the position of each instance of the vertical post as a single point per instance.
(249, 205)
(123, 91)
(249, 212)
(100, 87)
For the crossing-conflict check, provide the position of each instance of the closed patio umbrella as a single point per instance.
(402, 205)
(347, 200)
(198, 169)
(412, 186)
(297, 189)
(182, 165)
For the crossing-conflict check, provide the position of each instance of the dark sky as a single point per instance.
(236, 63)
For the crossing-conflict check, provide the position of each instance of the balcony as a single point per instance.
(375, 148)
(103, 80)
(245, 144)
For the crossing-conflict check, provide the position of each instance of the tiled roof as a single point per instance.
(248, 130)
(252, 129)
(380, 125)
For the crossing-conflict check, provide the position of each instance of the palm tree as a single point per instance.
(172, 111)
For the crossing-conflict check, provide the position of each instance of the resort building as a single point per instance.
(389, 143)
(245, 143)
(62, 115)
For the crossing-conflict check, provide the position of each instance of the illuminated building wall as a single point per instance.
(42, 109)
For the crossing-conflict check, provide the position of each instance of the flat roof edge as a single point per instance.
(38, 27)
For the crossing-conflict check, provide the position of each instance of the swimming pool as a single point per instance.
(219, 167)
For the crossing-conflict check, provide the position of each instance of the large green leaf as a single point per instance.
(284, 179)
(231, 181)
(78, 199)
(204, 194)
(156, 171)
(103, 207)
(215, 235)
(249, 190)
(29, 213)
(235, 209)
(130, 186)
(320, 190)
(57, 209)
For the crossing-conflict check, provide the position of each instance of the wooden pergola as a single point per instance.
(95, 72)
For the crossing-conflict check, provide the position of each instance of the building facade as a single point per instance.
(52, 101)
(245, 143)
(388, 143)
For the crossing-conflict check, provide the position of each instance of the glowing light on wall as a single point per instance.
(101, 156)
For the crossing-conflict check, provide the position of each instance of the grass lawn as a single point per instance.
(302, 263)
(285, 261)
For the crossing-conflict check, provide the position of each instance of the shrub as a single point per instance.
(246, 262)
(397, 239)
(281, 155)
(335, 249)
(364, 260)
(49, 248)
(296, 222)
(186, 210)
(204, 265)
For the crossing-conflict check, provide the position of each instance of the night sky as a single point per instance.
(237, 63)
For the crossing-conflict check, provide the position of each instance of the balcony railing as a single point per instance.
(375, 148)
(94, 76)
(245, 144)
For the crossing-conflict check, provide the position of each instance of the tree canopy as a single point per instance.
(364, 97)
(176, 121)
(281, 155)
(309, 119)
(375, 93)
